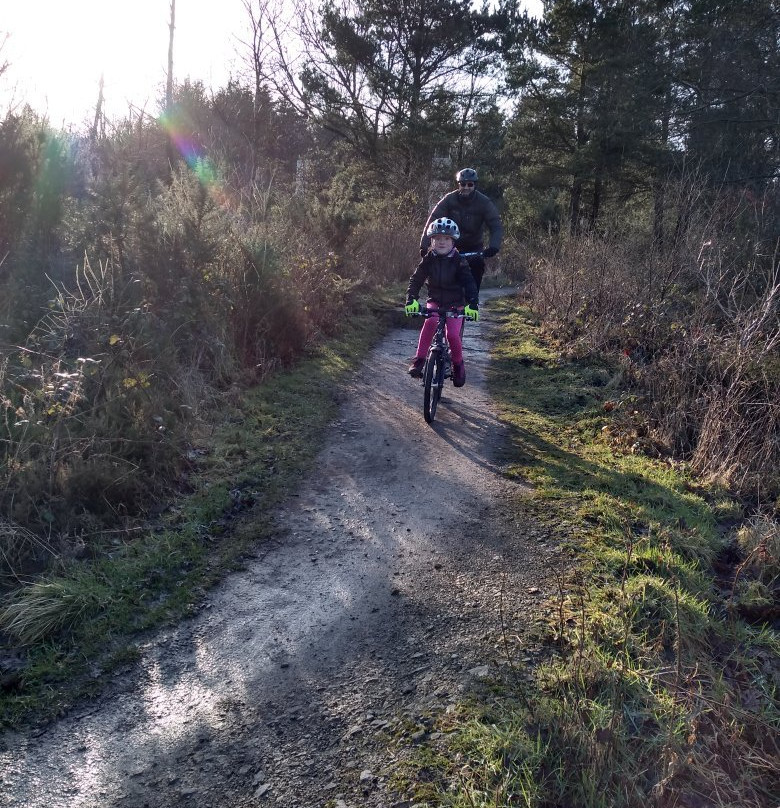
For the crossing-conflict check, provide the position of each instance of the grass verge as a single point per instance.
(653, 689)
(86, 621)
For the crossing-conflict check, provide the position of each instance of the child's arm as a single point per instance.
(416, 281)
(469, 284)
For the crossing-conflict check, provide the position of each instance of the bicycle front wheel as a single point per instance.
(433, 382)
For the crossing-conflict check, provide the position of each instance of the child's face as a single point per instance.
(441, 244)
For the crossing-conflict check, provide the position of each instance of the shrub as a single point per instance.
(695, 330)
(91, 423)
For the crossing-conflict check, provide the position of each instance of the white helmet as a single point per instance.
(443, 227)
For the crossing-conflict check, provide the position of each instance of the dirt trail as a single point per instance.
(375, 607)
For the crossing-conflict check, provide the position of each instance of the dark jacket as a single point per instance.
(448, 278)
(472, 213)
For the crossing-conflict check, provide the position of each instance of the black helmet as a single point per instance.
(443, 227)
(467, 175)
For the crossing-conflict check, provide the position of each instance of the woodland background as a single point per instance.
(150, 264)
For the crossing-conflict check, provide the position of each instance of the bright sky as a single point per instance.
(57, 49)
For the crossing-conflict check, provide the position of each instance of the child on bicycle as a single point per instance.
(450, 283)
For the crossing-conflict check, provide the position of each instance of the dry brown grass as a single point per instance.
(19, 550)
(695, 332)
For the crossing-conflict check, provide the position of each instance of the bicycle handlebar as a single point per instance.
(471, 254)
(445, 312)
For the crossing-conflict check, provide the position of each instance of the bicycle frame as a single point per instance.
(438, 362)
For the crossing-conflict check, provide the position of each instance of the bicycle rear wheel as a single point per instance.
(433, 382)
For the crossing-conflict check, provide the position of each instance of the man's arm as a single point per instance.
(493, 222)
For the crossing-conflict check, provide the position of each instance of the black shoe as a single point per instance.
(416, 368)
(459, 376)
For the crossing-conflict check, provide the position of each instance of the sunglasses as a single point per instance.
(466, 184)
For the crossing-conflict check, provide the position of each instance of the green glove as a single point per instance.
(472, 311)
(412, 308)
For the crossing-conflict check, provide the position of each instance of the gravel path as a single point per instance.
(376, 607)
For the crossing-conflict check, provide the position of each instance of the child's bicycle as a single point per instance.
(438, 362)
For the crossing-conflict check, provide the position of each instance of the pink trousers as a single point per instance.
(453, 335)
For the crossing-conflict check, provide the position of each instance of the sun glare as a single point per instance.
(58, 51)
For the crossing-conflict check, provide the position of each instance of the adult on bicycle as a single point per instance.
(472, 211)
(450, 283)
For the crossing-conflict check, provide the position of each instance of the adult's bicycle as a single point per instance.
(438, 362)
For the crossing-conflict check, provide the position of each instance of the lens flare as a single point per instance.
(179, 129)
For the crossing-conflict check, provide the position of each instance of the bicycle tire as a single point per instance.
(433, 382)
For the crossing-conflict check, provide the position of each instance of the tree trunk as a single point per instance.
(99, 124)
(598, 189)
(659, 186)
(574, 206)
(169, 86)
(581, 141)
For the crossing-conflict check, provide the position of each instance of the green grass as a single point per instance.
(650, 692)
(84, 621)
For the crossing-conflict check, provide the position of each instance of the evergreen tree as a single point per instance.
(592, 80)
(379, 73)
(731, 78)
(616, 98)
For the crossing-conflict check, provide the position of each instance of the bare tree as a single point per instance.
(258, 52)
(368, 70)
(4, 64)
(169, 84)
(99, 124)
